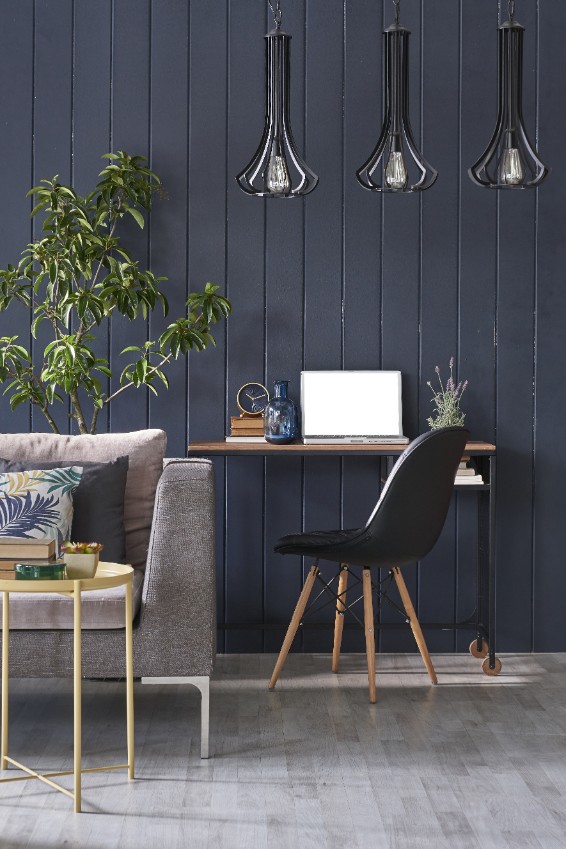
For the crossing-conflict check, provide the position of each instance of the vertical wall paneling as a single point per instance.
(324, 249)
(343, 278)
(284, 251)
(131, 131)
(245, 285)
(439, 260)
(477, 266)
(92, 43)
(401, 286)
(207, 192)
(16, 146)
(515, 325)
(52, 120)
(549, 576)
(168, 246)
(361, 259)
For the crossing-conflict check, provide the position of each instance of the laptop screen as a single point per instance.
(351, 403)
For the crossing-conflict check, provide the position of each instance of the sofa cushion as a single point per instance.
(145, 450)
(38, 503)
(101, 609)
(98, 502)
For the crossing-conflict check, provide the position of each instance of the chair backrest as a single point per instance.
(411, 511)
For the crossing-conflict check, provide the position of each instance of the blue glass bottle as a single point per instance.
(280, 416)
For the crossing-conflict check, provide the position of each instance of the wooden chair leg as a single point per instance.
(294, 624)
(339, 618)
(414, 622)
(370, 633)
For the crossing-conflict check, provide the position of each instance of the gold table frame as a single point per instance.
(107, 575)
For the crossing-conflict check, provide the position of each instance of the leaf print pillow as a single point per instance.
(38, 504)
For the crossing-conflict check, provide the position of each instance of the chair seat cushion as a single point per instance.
(327, 544)
(101, 609)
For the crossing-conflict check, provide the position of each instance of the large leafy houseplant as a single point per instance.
(74, 278)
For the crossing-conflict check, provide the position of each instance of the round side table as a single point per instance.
(107, 575)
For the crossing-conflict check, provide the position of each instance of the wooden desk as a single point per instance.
(266, 449)
(482, 620)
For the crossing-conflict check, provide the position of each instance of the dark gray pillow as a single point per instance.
(98, 502)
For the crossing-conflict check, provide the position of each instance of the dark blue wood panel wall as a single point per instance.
(342, 279)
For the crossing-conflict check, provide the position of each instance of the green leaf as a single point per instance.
(136, 215)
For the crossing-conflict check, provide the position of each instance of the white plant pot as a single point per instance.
(80, 566)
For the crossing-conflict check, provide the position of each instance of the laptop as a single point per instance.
(355, 407)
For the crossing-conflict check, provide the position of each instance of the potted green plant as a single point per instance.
(75, 277)
(446, 400)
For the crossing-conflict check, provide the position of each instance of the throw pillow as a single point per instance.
(38, 503)
(145, 449)
(98, 502)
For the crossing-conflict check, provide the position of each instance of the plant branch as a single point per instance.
(131, 383)
(78, 414)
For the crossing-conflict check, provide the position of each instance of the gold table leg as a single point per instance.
(77, 693)
(129, 680)
(77, 770)
(5, 654)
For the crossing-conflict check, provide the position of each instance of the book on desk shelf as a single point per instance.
(246, 439)
(246, 423)
(246, 429)
(467, 474)
(28, 549)
(470, 480)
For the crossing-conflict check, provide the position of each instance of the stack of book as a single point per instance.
(246, 429)
(16, 550)
(467, 475)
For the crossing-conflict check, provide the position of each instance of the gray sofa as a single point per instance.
(175, 627)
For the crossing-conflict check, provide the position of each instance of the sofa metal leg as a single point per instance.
(202, 682)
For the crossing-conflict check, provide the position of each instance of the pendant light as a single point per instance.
(396, 164)
(277, 170)
(511, 160)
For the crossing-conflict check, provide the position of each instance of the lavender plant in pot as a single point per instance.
(446, 400)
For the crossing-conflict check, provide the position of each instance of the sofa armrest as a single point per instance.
(177, 630)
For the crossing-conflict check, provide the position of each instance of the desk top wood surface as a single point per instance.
(263, 449)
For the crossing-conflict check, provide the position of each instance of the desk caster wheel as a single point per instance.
(474, 649)
(495, 671)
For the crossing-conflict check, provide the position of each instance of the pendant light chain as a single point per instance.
(397, 4)
(511, 6)
(277, 15)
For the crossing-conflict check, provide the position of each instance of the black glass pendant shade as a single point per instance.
(277, 170)
(396, 164)
(510, 160)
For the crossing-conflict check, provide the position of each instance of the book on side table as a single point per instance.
(15, 548)
(14, 551)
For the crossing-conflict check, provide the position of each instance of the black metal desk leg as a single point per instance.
(491, 563)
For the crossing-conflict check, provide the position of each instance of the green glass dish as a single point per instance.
(40, 570)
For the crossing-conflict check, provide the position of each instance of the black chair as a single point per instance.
(403, 527)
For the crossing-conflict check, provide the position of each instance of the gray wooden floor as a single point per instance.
(475, 763)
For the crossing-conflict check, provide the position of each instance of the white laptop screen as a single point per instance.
(351, 403)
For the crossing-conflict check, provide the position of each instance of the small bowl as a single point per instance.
(81, 566)
(40, 570)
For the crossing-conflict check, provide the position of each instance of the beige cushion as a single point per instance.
(46, 611)
(145, 449)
